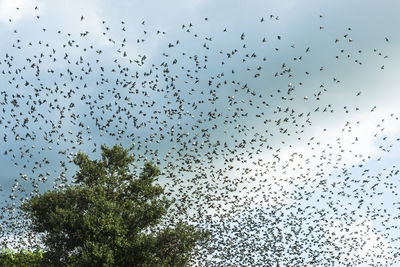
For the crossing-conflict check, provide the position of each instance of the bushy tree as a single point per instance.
(10, 258)
(109, 217)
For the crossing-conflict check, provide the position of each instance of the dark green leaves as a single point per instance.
(106, 217)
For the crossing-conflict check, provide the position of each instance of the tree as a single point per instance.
(10, 258)
(109, 217)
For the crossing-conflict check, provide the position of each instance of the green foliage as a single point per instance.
(105, 218)
(9, 258)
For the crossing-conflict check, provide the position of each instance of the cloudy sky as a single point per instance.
(309, 111)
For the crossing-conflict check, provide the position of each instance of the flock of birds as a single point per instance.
(224, 116)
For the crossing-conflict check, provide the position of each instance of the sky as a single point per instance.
(260, 107)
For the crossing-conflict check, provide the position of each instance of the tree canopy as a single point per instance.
(10, 258)
(110, 217)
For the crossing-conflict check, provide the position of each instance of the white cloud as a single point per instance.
(8, 9)
(360, 242)
(342, 145)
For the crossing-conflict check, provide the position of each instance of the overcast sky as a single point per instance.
(343, 60)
